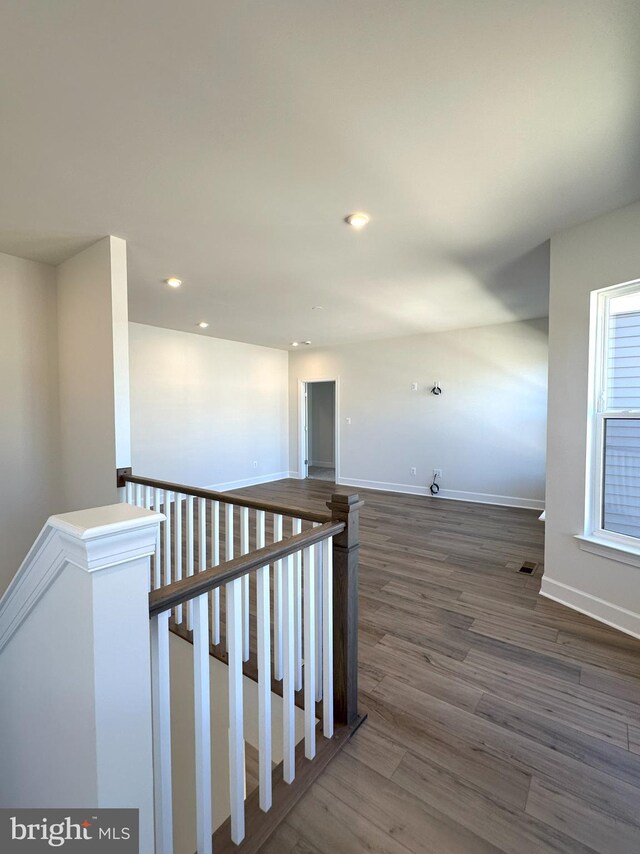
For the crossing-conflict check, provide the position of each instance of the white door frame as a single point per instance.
(302, 416)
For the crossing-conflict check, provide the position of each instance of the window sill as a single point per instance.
(612, 551)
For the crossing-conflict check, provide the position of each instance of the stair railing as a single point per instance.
(280, 608)
(202, 527)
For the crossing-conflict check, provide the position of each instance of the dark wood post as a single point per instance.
(346, 546)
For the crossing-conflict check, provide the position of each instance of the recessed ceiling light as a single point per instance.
(307, 342)
(203, 324)
(295, 343)
(357, 220)
(173, 282)
(317, 308)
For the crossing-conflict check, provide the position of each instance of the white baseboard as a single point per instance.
(250, 481)
(488, 498)
(451, 494)
(605, 612)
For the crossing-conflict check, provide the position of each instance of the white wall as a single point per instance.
(486, 431)
(29, 429)
(321, 405)
(203, 409)
(93, 373)
(37, 760)
(603, 252)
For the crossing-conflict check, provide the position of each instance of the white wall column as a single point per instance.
(93, 346)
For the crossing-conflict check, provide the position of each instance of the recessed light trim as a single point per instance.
(317, 308)
(357, 220)
(295, 343)
(306, 342)
(173, 282)
(203, 324)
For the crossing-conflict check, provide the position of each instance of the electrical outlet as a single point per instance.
(437, 472)
(414, 471)
(255, 464)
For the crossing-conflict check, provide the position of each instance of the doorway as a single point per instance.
(319, 433)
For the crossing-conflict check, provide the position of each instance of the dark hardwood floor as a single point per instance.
(497, 720)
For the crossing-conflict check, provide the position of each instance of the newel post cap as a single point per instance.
(106, 536)
(346, 508)
(345, 504)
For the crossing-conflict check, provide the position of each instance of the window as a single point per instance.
(613, 513)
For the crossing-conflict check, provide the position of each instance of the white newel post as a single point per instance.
(75, 718)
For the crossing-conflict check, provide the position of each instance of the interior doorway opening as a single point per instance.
(320, 430)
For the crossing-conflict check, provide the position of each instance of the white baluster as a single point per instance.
(228, 535)
(228, 532)
(147, 497)
(309, 654)
(190, 557)
(139, 495)
(236, 710)
(260, 529)
(161, 719)
(277, 602)
(129, 493)
(178, 548)
(202, 706)
(297, 605)
(202, 541)
(202, 534)
(215, 594)
(288, 683)
(167, 537)
(244, 549)
(264, 671)
(327, 638)
(157, 566)
(318, 560)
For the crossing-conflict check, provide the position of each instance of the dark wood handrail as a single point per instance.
(228, 498)
(187, 588)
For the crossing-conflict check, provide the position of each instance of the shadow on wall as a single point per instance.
(511, 283)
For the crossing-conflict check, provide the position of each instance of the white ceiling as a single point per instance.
(226, 141)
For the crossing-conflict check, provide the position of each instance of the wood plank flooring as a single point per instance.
(498, 721)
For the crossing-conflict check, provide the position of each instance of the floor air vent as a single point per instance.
(528, 568)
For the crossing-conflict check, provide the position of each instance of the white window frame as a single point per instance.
(598, 416)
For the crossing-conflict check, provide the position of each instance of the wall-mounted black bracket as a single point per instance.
(121, 474)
